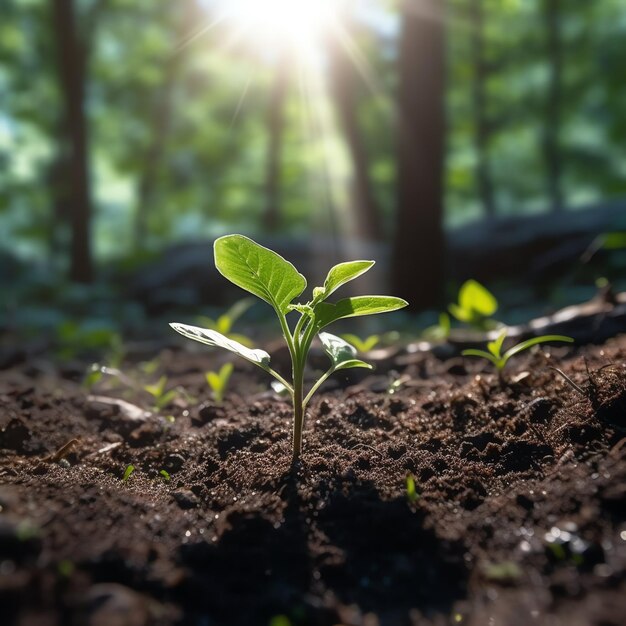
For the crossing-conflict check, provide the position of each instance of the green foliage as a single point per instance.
(495, 356)
(475, 306)
(128, 473)
(161, 397)
(267, 275)
(362, 344)
(166, 476)
(218, 381)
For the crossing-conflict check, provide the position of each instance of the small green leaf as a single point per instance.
(258, 270)
(344, 365)
(481, 354)
(340, 275)
(362, 345)
(128, 472)
(495, 346)
(223, 324)
(474, 297)
(614, 241)
(327, 313)
(165, 475)
(165, 399)
(213, 338)
(529, 343)
(411, 491)
(336, 348)
(156, 390)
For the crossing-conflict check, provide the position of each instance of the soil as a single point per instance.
(519, 515)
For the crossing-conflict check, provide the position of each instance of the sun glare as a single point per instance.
(298, 24)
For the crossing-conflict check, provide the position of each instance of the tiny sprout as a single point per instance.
(273, 279)
(161, 397)
(439, 331)
(362, 345)
(165, 475)
(499, 360)
(475, 306)
(411, 491)
(225, 322)
(128, 472)
(218, 381)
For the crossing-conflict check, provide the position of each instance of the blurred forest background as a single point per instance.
(431, 135)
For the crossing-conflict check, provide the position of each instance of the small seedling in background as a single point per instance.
(165, 475)
(476, 305)
(411, 491)
(362, 345)
(218, 381)
(499, 360)
(161, 397)
(225, 322)
(268, 276)
(128, 473)
(439, 331)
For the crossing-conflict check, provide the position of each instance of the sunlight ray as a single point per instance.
(241, 100)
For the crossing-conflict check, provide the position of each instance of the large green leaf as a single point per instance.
(341, 353)
(339, 275)
(327, 313)
(258, 270)
(213, 338)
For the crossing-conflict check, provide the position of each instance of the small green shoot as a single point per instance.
(273, 279)
(161, 397)
(225, 322)
(439, 331)
(218, 381)
(362, 345)
(411, 492)
(476, 305)
(165, 475)
(499, 360)
(128, 473)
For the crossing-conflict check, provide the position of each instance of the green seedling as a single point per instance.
(225, 322)
(499, 360)
(411, 491)
(476, 305)
(161, 397)
(218, 381)
(128, 473)
(165, 475)
(362, 345)
(439, 331)
(270, 277)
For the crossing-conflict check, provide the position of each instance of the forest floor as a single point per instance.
(519, 516)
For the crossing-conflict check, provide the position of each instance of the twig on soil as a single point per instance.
(568, 380)
(61, 452)
(364, 445)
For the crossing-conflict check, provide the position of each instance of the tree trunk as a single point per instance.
(275, 128)
(344, 84)
(418, 251)
(552, 152)
(75, 188)
(481, 133)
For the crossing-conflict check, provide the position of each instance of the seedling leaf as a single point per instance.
(344, 365)
(529, 343)
(495, 346)
(473, 296)
(362, 345)
(336, 348)
(128, 472)
(339, 275)
(213, 338)
(327, 313)
(258, 270)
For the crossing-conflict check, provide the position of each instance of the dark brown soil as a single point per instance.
(520, 517)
